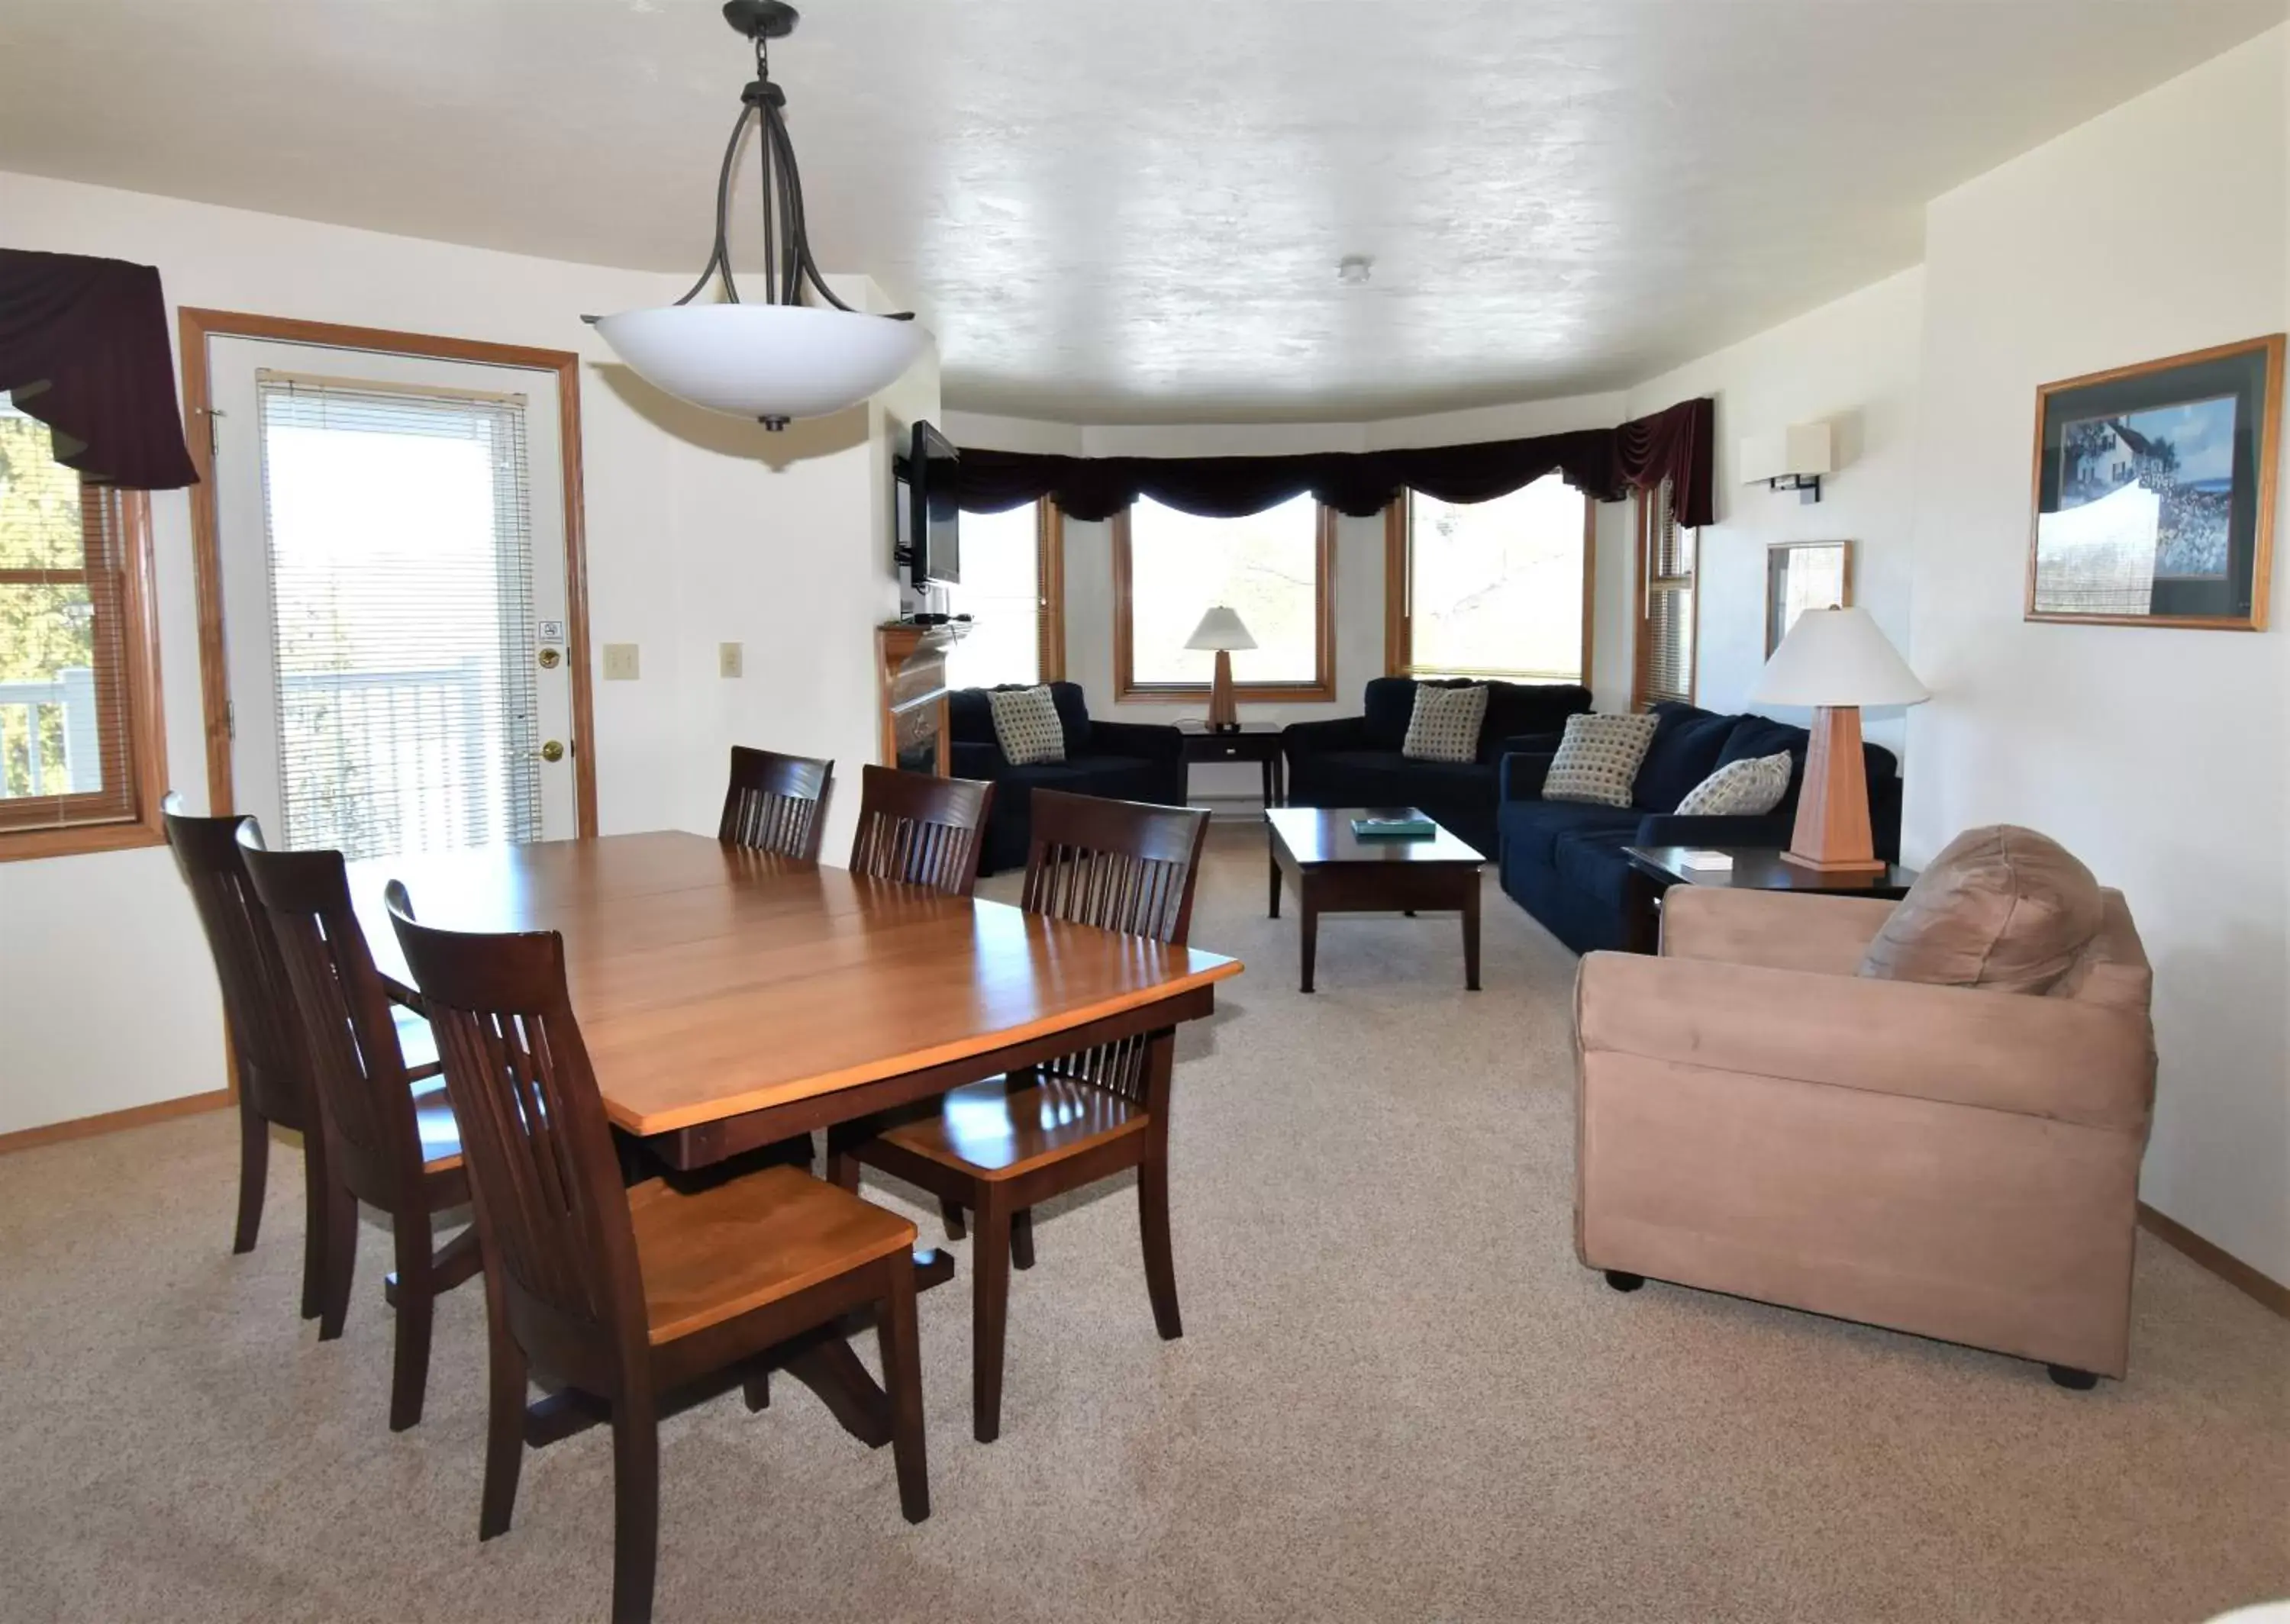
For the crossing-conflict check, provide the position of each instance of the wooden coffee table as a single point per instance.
(1335, 871)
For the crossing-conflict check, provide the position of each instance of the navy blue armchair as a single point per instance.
(1124, 760)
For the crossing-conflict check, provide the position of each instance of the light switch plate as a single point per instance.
(729, 661)
(619, 662)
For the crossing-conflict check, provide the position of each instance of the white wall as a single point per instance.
(700, 529)
(1852, 364)
(1359, 545)
(2156, 756)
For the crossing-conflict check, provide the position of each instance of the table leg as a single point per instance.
(1273, 861)
(833, 1371)
(1472, 937)
(1307, 912)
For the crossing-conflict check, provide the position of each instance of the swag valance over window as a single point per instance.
(83, 348)
(1605, 464)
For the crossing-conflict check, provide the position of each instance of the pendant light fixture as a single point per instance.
(781, 359)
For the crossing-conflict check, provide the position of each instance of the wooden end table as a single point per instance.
(1657, 869)
(1335, 871)
(1255, 741)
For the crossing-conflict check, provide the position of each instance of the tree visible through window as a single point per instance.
(1269, 568)
(1496, 588)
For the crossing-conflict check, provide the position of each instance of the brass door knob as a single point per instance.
(552, 751)
(548, 658)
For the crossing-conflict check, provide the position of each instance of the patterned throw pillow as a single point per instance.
(1026, 726)
(1597, 760)
(1747, 788)
(1445, 725)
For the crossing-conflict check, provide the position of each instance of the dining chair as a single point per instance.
(1000, 1146)
(265, 1039)
(921, 828)
(776, 803)
(632, 1295)
(390, 1133)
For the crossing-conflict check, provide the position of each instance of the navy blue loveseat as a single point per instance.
(1125, 761)
(1355, 761)
(1562, 862)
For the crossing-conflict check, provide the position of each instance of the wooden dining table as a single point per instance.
(731, 998)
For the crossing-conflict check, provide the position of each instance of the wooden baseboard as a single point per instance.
(112, 1121)
(2220, 1262)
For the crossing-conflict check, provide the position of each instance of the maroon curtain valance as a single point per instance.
(1605, 464)
(83, 348)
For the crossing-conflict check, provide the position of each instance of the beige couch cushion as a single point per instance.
(2001, 907)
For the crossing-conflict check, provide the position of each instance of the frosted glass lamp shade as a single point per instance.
(1838, 657)
(1219, 629)
(764, 361)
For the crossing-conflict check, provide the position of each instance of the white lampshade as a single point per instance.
(1219, 629)
(764, 361)
(1838, 657)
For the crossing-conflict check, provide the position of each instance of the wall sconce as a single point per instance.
(1794, 459)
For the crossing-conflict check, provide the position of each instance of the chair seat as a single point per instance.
(718, 1254)
(996, 1131)
(434, 1123)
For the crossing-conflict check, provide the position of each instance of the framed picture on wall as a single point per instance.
(2154, 499)
(1802, 575)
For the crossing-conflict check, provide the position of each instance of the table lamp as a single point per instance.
(1836, 660)
(1221, 629)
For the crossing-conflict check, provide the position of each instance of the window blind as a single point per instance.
(399, 535)
(67, 730)
(1665, 659)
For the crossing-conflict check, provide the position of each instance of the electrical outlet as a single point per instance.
(619, 662)
(728, 662)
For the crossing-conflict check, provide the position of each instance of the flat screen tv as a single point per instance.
(935, 544)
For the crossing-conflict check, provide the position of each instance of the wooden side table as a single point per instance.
(1656, 868)
(1259, 742)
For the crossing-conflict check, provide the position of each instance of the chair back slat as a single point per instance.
(358, 1066)
(552, 1214)
(921, 829)
(257, 999)
(776, 803)
(1120, 865)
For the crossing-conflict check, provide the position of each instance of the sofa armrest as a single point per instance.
(1161, 742)
(1780, 930)
(2058, 1059)
(1519, 776)
(1311, 738)
(1529, 744)
(1669, 830)
(979, 761)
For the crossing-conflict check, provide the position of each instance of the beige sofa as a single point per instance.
(1752, 1117)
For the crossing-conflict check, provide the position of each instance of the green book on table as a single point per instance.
(1401, 827)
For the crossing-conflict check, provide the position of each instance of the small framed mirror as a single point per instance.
(1802, 575)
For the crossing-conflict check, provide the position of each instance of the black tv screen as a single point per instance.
(935, 548)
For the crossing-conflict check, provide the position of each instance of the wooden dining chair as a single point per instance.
(776, 803)
(1000, 1147)
(390, 1138)
(921, 828)
(265, 1039)
(629, 1295)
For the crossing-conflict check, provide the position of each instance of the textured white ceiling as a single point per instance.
(1109, 210)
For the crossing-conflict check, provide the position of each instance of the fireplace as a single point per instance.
(911, 676)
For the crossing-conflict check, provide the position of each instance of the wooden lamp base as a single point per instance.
(1224, 714)
(1832, 832)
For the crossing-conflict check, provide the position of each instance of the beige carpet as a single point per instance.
(1399, 1396)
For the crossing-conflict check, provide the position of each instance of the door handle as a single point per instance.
(551, 751)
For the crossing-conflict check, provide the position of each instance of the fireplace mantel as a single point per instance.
(910, 678)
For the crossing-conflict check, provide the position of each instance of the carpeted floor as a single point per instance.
(1398, 1396)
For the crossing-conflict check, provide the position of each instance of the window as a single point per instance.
(1666, 602)
(1012, 590)
(1271, 568)
(1493, 588)
(81, 758)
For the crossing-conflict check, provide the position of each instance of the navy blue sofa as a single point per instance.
(1562, 862)
(1355, 761)
(1124, 761)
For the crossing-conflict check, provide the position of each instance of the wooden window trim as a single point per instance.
(1642, 589)
(195, 327)
(140, 704)
(1050, 583)
(1399, 593)
(1320, 690)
